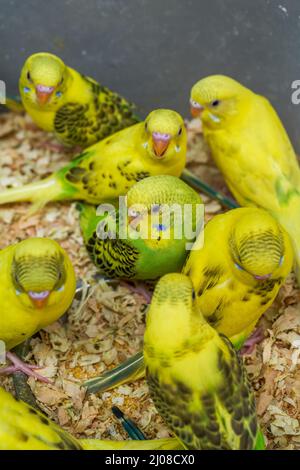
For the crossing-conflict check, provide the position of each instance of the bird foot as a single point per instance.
(139, 289)
(254, 339)
(60, 148)
(20, 366)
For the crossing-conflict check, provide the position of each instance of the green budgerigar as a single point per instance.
(161, 220)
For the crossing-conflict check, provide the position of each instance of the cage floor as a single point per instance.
(107, 325)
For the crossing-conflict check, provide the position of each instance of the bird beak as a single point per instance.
(43, 93)
(196, 109)
(263, 278)
(39, 299)
(160, 143)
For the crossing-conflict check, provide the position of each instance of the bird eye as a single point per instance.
(193, 294)
(239, 267)
(29, 77)
(215, 103)
(180, 131)
(146, 126)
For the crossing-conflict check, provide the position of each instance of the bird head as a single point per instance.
(43, 80)
(256, 245)
(172, 315)
(164, 198)
(38, 272)
(164, 134)
(217, 99)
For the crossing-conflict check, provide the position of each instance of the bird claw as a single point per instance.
(138, 289)
(254, 339)
(20, 366)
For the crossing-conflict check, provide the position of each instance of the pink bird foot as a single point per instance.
(254, 339)
(139, 289)
(20, 366)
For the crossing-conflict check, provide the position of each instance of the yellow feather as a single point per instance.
(32, 266)
(24, 428)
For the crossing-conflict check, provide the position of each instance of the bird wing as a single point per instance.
(24, 428)
(223, 418)
(103, 114)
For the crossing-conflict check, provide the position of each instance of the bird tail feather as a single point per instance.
(155, 444)
(14, 104)
(129, 371)
(39, 193)
(129, 426)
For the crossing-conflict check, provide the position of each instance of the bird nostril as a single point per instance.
(161, 136)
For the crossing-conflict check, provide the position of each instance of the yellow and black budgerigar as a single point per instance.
(252, 149)
(37, 286)
(196, 379)
(77, 109)
(24, 428)
(109, 168)
(156, 236)
(237, 274)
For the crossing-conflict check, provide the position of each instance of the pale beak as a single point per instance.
(160, 143)
(39, 299)
(44, 93)
(196, 109)
(262, 278)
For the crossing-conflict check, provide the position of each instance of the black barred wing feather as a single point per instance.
(222, 419)
(84, 124)
(115, 258)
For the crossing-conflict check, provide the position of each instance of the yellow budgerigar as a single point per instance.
(196, 379)
(37, 286)
(24, 428)
(109, 168)
(252, 149)
(237, 273)
(77, 109)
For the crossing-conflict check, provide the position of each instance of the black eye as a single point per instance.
(28, 76)
(180, 131)
(146, 126)
(215, 103)
(193, 295)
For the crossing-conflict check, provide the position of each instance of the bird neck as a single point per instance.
(172, 329)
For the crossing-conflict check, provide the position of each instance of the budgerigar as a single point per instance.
(77, 109)
(252, 149)
(196, 379)
(245, 259)
(37, 286)
(24, 428)
(156, 237)
(109, 168)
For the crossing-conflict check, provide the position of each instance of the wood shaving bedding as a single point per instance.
(107, 325)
